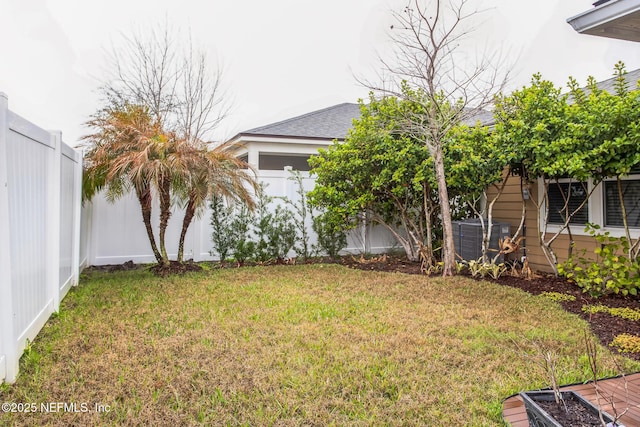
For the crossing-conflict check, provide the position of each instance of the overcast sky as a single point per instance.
(281, 58)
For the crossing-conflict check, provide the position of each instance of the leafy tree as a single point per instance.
(432, 69)
(381, 172)
(474, 163)
(607, 127)
(533, 124)
(580, 135)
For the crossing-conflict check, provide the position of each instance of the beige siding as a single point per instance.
(508, 208)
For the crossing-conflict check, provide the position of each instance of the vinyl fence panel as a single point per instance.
(117, 233)
(39, 238)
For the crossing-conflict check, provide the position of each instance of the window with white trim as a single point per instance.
(612, 208)
(565, 197)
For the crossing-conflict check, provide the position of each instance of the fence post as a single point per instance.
(77, 217)
(8, 350)
(53, 221)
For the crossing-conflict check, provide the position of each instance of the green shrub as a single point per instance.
(243, 246)
(622, 312)
(332, 237)
(274, 230)
(302, 211)
(230, 235)
(263, 235)
(612, 271)
(280, 233)
(222, 234)
(626, 343)
(484, 269)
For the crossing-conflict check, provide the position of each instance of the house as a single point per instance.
(291, 142)
(618, 19)
(602, 207)
(276, 149)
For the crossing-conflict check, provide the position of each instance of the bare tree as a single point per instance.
(170, 77)
(450, 83)
(202, 102)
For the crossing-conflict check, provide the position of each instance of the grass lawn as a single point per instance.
(302, 345)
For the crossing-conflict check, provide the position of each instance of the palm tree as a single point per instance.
(129, 150)
(215, 171)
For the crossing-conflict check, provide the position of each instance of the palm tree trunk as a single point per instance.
(144, 198)
(188, 217)
(165, 214)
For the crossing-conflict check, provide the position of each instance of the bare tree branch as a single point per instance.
(164, 72)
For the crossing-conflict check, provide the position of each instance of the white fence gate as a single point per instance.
(40, 217)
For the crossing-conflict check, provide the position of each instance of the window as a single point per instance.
(277, 162)
(244, 158)
(564, 199)
(612, 205)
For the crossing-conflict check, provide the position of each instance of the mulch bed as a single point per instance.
(605, 326)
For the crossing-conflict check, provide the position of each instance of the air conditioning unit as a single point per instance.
(467, 238)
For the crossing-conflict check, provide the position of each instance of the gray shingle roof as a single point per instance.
(483, 116)
(631, 77)
(329, 123)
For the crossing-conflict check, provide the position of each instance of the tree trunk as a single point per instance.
(165, 214)
(409, 248)
(144, 198)
(623, 209)
(448, 248)
(188, 217)
(428, 222)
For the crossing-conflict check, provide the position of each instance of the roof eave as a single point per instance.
(602, 20)
(248, 138)
(269, 135)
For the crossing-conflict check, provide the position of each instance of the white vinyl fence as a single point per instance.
(117, 233)
(40, 220)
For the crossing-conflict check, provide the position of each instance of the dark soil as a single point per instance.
(575, 414)
(174, 267)
(605, 326)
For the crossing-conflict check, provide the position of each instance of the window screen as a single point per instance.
(573, 194)
(613, 208)
(277, 162)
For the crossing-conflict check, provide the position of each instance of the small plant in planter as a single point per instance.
(572, 410)
(555, 408)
